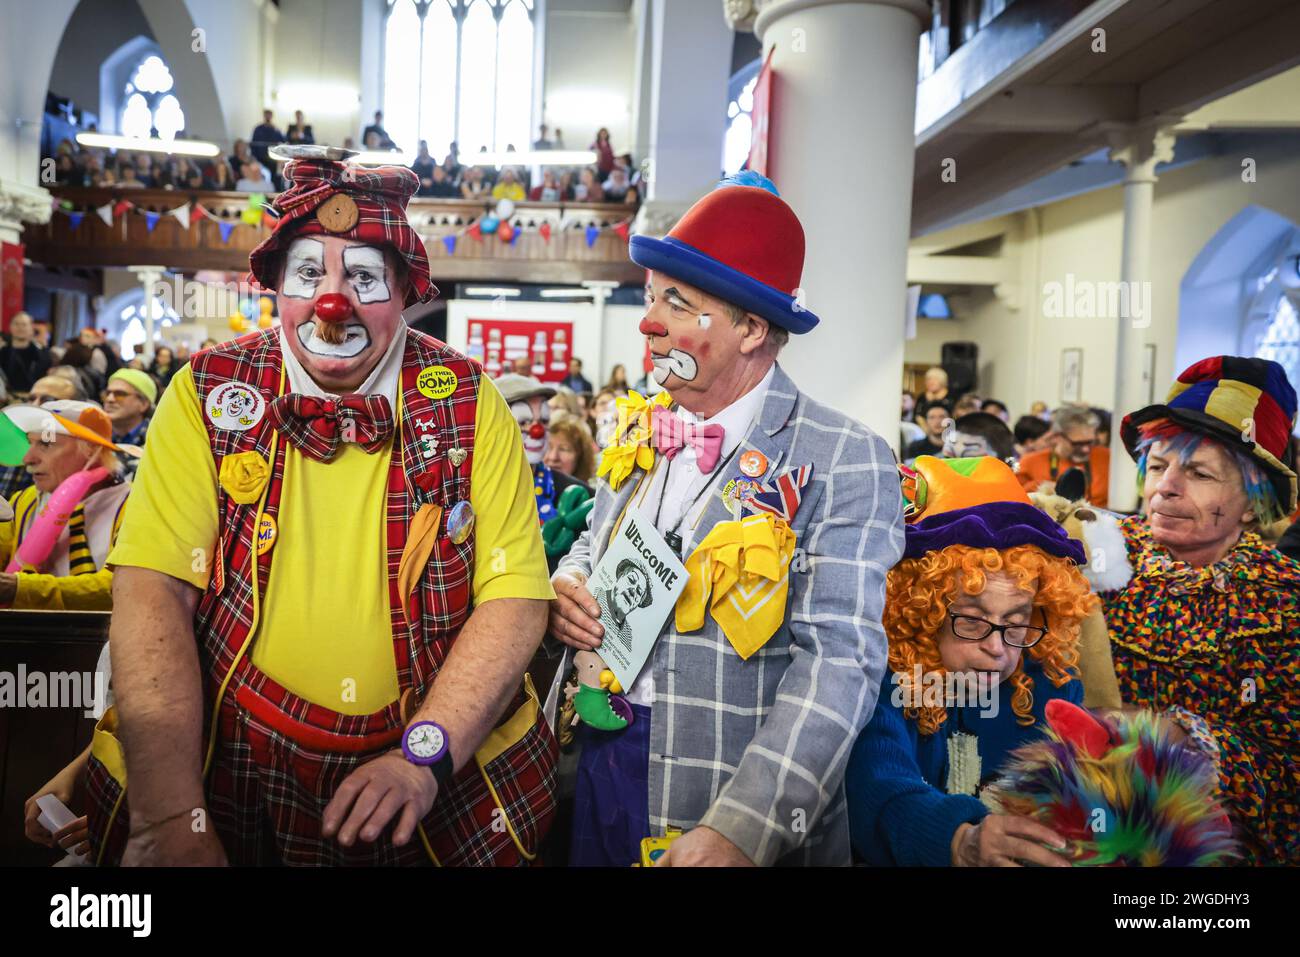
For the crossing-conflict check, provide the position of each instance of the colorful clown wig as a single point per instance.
(920, 590)
(1183, 443)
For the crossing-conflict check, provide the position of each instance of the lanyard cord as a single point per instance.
(708, 485)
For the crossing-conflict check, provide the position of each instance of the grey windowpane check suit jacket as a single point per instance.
(757, 749)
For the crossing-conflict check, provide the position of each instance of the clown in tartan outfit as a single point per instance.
(746, 711)
(341, 419)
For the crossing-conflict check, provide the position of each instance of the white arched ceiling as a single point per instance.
(28, 54)
(1219, 288)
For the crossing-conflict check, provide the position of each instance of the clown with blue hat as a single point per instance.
(785, 515)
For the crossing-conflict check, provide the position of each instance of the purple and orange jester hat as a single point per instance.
(976, 502)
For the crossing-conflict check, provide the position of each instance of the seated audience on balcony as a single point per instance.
(632, 197)
(375, 137)
(254, 179)
(543, 142)
(299, 131)
(127, 178)
(22, 360)
(604, 152)
(442, 187)
(219, 176)
(616, 185)
(423, 167)
(588, 190)
(508, 187)
(472, 185)
(566, 186)
(239, 156)
(451, 162)
(65, 438)
(548, 191)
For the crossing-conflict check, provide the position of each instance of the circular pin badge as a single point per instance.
(436, 382)
(338, 214)
(460, 522)
(738, 490)
(234, 407)
(266, 534)
(753, 463)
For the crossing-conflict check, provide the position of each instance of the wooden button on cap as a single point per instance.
(338, 214)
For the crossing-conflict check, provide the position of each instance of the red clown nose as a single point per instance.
(333, 307)
(648, 328)
(536, 431)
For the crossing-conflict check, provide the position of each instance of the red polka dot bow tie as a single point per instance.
(316, 426)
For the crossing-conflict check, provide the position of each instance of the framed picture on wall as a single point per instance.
(1071, 375)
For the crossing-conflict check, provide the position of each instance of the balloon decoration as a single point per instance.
(559, 534)
(267, 306)
(505, 209)
(237, 322)
(39, 540)
(489, 224)
(505, 232)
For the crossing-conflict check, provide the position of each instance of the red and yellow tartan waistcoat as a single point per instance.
(441, 603)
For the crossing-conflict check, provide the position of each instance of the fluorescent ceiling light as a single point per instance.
(566, 293)
(179, 147)
(381, 158)
(493, 291)
(531, 158)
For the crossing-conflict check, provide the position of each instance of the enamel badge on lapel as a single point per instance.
(460, 522)
(234, 407)
(266, 534)
(753, 463)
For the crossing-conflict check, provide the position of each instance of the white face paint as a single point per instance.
(676, 362)
(354, 343)
(704, 320)
(304, 268)
(534, 446)
(364, 268)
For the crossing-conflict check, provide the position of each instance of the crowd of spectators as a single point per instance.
(249, 168)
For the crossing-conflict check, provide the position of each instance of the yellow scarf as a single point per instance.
(740, 572)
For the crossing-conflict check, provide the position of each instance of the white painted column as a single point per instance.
(844, 102)
(1139, 150)
(150, 277)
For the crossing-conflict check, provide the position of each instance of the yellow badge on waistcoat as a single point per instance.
(266, 534)
(741, 573)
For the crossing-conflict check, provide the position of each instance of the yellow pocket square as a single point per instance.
(243, 476)
(741, 573)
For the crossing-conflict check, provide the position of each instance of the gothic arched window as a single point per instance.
(459, 70)
(149, 107)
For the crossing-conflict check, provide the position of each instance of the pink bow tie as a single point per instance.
(671, 435)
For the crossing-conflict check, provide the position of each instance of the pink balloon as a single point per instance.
(39, 542)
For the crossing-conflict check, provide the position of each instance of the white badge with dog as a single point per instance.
(636, 583)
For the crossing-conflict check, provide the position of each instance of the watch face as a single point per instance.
(425, 740)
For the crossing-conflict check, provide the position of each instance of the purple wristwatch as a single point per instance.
(425, 743)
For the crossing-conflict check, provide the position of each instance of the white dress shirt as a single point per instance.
(679, 491)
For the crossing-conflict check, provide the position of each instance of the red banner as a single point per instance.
(761, 117)
(11, 282)
(499, 343)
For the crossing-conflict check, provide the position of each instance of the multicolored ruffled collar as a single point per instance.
(1250, 560)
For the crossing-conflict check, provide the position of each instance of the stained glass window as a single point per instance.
(149, 106)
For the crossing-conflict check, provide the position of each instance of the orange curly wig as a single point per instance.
(919, 592)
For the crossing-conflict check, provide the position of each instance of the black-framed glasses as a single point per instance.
(970, 628)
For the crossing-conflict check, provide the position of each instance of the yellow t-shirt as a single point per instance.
(324, 630)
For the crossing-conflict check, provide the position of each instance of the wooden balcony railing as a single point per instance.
(564, 257)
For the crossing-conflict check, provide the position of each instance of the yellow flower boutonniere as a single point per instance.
(244, 475)
(632, 447)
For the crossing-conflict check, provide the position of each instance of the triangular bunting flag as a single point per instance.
(545, 230)
(151, 220)
(476, 230)
(450, 243)
(106, 213)
(200, 210)
(66, 206)
(252, 214)
(592, 233)
(75, 219)
(182, 214)
(514, 238)
(226, 229)
(268, 220)
(623, 229)
(120, 208)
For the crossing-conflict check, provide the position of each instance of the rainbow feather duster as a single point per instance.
(1122, 793)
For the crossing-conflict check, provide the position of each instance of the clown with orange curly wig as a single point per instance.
(983, 617)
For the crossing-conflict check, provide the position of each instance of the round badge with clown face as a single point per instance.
(234, 407)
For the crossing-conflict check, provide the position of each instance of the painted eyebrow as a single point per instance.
(672, 292)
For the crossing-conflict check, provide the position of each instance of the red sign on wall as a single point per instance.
(11, 282)
(761, 117)
(498, 343)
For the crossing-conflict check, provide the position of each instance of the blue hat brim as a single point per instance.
(684, 262)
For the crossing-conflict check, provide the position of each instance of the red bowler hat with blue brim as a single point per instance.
(741, 243)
